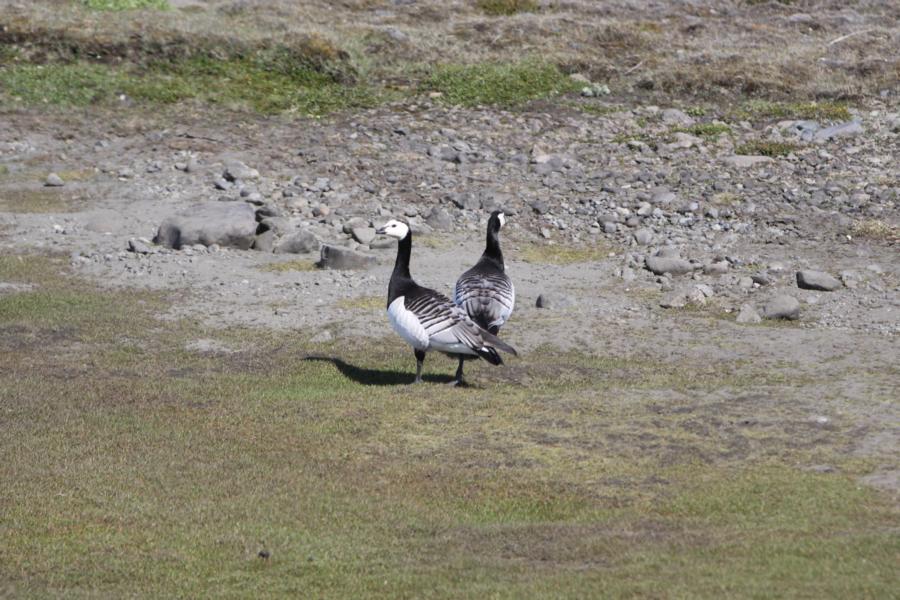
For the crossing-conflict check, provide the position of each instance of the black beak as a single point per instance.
(380, 231)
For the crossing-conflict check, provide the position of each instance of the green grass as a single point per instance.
(267, 86)
(500, 84)
(825, 111)
(505, 8)
(132, 467)
(704, 130)
(116, 5)
(761, 148)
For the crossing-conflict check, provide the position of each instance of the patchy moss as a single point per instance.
(876, 229)
(500, 84)
(763, 148)
(505, 8)
(559, 254)
(705, 130)
(826, 111)
(289, 266)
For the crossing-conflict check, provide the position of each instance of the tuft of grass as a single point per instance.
(118, 5)
(705, 130)
(762, 148)
(505, 8)
(875, 229)
(500, 84)
(290, 266)
(558, 254)
(825, 111)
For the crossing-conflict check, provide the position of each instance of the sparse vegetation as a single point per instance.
(37, 200)
(505, 8)
(367, 303)
(290, 265)
(560, 254)
(116, 5)
(826, 111)
(876, 229)
(498, 84)
(764, 148)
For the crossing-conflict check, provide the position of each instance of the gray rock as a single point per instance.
(299, 242)
(674, 299)
(817, 280)
(444, 152)
(609, 227)
(335, 257)
(748, 314)
(265, 241)
(226, 224)
(280, 225)
(782, 307)
(848, 129)
(465, 201)
(643, 236)
(236, 170)
(383, 243)
(717, 268)
(54, 180)
(668, 264)
(673, 116)
(439, 219)
(746, 162)
(551, 301)
(139, 246)
(663, 197)
(363, 235)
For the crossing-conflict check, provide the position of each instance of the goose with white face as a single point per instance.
(502, 218)
(394, 228)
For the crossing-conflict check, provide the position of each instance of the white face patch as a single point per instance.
(395, 229)
(502, 218)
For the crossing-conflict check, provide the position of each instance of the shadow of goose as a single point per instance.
(366, 376)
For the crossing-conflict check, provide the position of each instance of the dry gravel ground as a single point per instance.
(621, 455)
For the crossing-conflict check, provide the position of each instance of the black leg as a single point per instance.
(420, 358)
(459, 372)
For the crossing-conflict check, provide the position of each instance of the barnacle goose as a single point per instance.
(485, 291)
(428, 320)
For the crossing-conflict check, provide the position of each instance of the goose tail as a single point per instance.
(489, 354)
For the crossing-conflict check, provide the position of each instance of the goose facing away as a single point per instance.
(428, 320)
(485, 291)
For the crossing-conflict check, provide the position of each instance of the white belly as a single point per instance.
(407, 325)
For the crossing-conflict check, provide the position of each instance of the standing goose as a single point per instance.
(427, 320)
(485, 291)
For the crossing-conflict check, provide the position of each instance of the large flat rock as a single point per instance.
(230, 224)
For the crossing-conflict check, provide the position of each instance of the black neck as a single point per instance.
(401, 268)
(492, 249)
